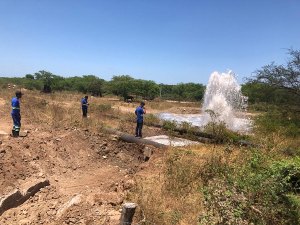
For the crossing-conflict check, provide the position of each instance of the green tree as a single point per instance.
(183, 91)
(146, 89)
(122, 85)
(47, 79)
(29, 76)
(94, 85)
(286, 77)
(278, 86)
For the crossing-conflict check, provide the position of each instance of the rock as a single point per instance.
(122, 156)
(105, 151)
(2, 151)
(129, 184)
(72, 220)
(24, 222)
(9, 201)
(22, 134)
(41, 174)
(114, 138)
(73, 201)
(36, 158)
(147, 153)
(32, 189)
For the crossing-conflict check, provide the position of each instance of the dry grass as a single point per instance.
(164, 105)
(173, 195)
(60, 110)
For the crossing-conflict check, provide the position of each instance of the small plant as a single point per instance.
(169, 125)
(287, 174)
(103, 108)
(187, 127)
(219, 130)
(151, 120)
(276, 121)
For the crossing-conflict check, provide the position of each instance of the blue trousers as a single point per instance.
(84, 111)
(17, 121)
(138, 129)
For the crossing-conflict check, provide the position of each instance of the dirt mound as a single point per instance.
(94, 169)
(89, 171)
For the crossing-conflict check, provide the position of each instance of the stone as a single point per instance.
(73, 201)
(9, 201)
(147, 153)
(128, 184)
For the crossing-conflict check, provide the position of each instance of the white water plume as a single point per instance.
(223, 97)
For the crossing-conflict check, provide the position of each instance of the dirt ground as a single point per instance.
(90, 173)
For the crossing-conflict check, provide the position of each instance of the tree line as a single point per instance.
(272, 88)
(124, 86)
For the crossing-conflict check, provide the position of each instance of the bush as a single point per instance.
(151, 120)
(257, 188)
(169, 125)
(104, 107)
(221, 133)
(276, 121)
(287, 174)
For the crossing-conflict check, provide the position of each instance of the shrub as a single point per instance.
(276, 121)
(257, 188)
(103, 107)
(221, 133)
(169, 125)
(151, 120)
(287, 174)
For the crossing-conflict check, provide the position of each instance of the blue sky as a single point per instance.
(168, 41)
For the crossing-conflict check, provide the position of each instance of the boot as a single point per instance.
(15, 133)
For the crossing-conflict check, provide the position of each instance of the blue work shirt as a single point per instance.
(15, 104)
(84, 103)
(139, 114)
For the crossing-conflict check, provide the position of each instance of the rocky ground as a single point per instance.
(89, 173)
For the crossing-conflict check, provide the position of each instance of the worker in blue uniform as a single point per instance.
(139, 112)
(15, 114)
(84, 105)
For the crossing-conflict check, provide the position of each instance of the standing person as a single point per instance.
(139, 112)
(84, 105)
(15, 114)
